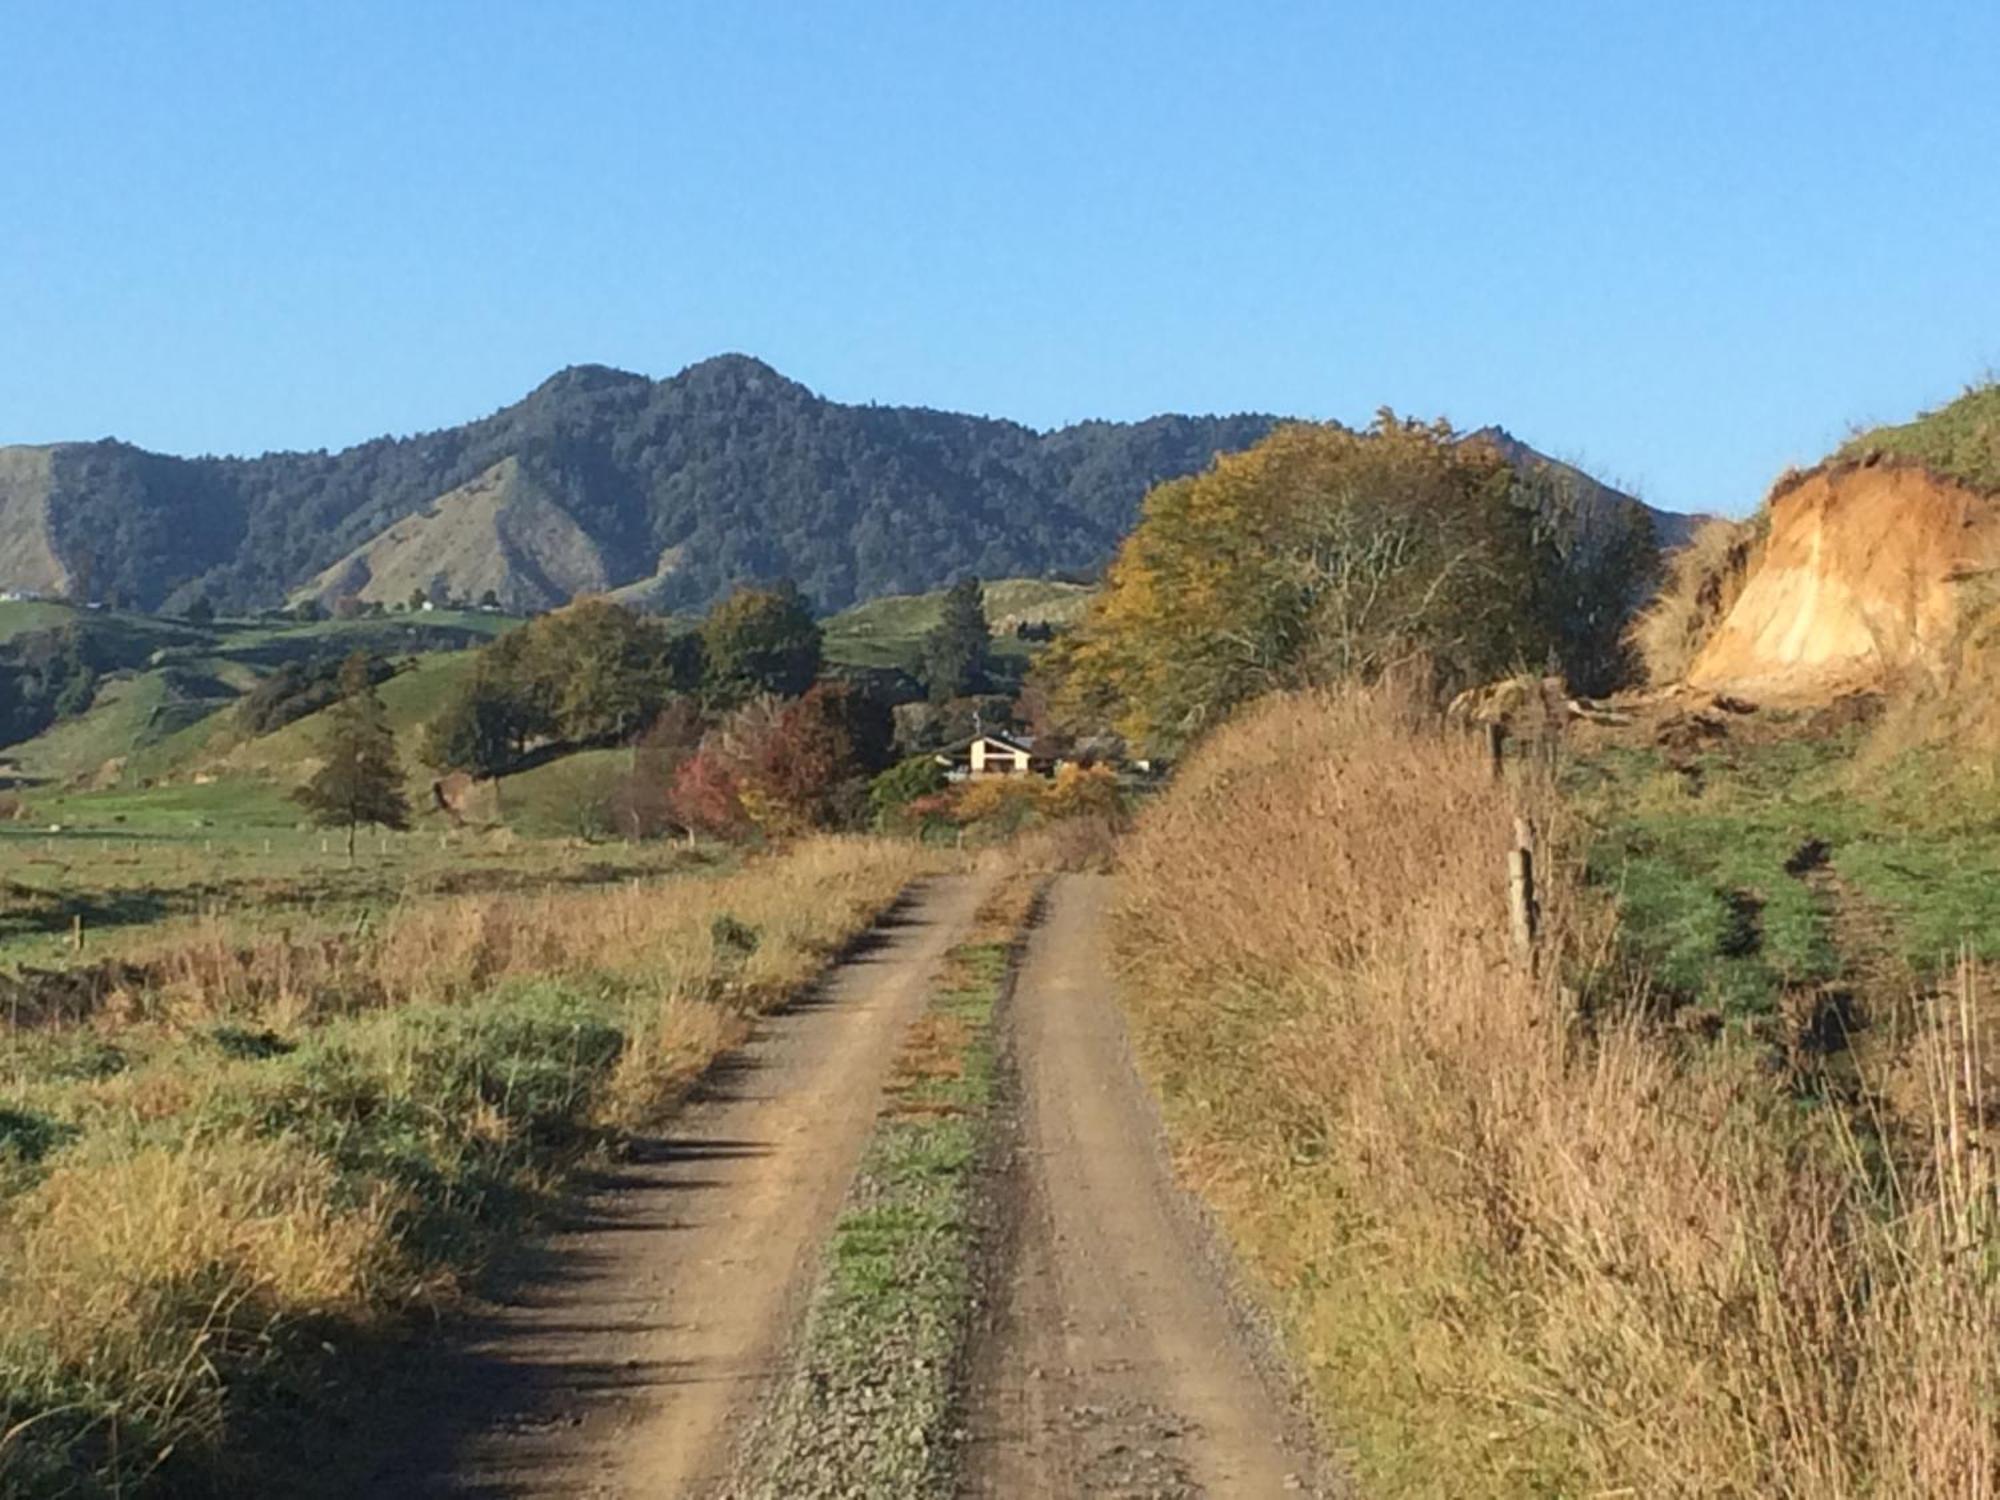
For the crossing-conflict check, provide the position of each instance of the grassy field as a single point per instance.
(262, 1149)
(134, 863)
(1751, 870)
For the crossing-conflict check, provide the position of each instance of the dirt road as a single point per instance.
(1109, 1359)
(629, 1364)
(1114, 1363)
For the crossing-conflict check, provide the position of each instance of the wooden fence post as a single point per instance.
(1524, 915)
(1496, 746)
(76, 933)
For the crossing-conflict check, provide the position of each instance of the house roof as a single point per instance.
(1005, 742)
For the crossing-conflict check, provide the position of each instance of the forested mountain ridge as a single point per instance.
(724, 472)
(666, 492)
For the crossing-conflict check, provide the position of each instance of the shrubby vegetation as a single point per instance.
(732, 733)
(1322, 555)
(1524, 1230)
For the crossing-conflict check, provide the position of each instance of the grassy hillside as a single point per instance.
(1961, 440)
(163, 705)
(133, 713)
(889, 632)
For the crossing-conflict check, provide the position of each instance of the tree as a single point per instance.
(478, 730)
(489, 600)
(201, 612)
(359, 780)
(760, 640)
(705, 795)
(1596, 564)
(593, 673)
(814, 759)
(955, 650)
(608, 670)
(1317, 555)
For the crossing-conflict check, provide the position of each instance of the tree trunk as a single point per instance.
(350, 843)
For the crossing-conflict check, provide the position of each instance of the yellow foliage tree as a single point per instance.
(1319, 553)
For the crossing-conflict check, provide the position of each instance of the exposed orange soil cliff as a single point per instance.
(1868, 569)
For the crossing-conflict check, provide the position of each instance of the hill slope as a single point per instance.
(496, 533)
(667, 492)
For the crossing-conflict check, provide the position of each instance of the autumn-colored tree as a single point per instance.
(784, 767)
(1319, 553)
(359, 780)
(822, 745)
(707, 797)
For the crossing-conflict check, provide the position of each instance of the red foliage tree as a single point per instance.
(706, 795)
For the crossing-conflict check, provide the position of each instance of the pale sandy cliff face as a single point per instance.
(28, 560)
(1865, 572)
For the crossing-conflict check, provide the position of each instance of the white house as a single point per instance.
(989, 755)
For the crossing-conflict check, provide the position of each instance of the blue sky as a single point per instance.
(1684, 244)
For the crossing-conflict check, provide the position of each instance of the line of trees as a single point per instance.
(597, 674)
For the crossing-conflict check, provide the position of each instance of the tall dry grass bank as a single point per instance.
(253, 1157)
(1526, 1237)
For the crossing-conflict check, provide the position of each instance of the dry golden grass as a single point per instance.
(1524, 1241)
(210, 1210)
(1703, 579)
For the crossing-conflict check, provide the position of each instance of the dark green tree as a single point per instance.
(478, 730)
(955, 650)
(760, 640)
(359, 780)
(201, 612)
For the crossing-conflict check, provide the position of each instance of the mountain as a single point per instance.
(662, 492)
(676, 487)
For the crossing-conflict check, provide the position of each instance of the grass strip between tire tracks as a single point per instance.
(870, 1404)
